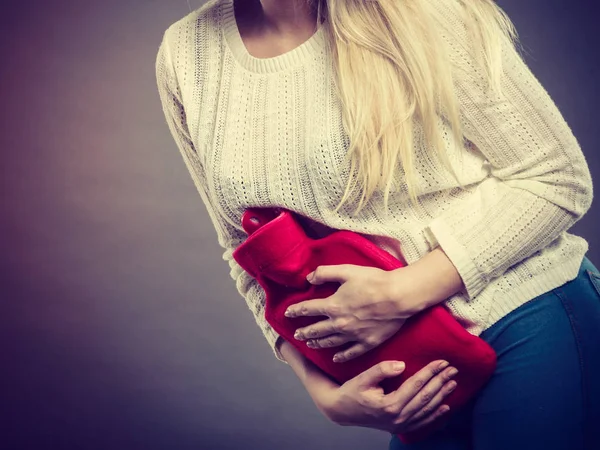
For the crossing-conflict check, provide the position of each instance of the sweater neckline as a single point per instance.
(278, 63)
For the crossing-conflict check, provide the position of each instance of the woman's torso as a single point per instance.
(269, 132)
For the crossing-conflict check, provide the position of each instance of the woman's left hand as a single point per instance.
(369, 307)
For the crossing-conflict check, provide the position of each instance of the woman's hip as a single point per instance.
(548, 366)
(576, 303)
(568, 313)
(545, 391)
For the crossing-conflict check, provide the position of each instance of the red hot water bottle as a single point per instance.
(279, 254)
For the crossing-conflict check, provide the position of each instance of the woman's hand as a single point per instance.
(371, 304)
(417, 402)
(369, 307)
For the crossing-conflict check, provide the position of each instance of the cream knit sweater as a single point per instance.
(264, 132)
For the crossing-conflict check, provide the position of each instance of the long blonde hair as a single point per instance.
(390, 70)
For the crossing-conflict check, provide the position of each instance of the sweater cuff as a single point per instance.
(438, 233)
(277, 349)
(275, 341)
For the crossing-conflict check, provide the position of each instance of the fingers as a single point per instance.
(333, 340)
(318, 329)
(379, 372)
(351, 353)
(431, 396)
(440, 411)
(314, 307)
(339, 273)
(411, 387)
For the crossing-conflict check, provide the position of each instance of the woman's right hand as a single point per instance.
(417, 402)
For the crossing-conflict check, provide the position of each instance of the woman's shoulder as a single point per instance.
(188, 25)
(187, 40)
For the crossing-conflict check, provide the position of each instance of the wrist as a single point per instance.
(444, 278)
(435, 279)
(324, 399)
(317, 383)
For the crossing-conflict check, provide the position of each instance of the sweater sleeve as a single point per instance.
(228, 238)
(539, 183)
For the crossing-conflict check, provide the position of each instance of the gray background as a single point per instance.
(120, 327)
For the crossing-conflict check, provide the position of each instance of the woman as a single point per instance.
(423, 116)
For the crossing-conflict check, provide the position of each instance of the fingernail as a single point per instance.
(452, 386)
(444, 364)
(453, 371)
(398, 365)
(310, 276)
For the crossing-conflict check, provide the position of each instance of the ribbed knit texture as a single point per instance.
(268, 132)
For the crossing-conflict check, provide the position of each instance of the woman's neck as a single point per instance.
(281, 17)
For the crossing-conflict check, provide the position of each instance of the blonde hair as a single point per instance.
(390, 70)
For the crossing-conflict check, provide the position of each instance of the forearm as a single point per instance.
(436, 272)
(314, 379)
(444, 277)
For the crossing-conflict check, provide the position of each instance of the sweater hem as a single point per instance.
(532, 289)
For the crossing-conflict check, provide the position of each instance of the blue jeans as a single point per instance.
(545, 392)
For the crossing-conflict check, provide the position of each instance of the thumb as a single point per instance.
(379, 372)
